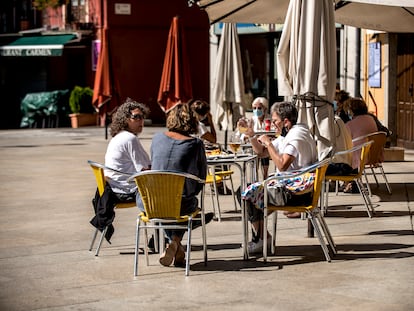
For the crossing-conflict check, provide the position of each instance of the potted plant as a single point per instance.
(80, 103)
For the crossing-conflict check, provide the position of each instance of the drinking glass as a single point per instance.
(235, 142)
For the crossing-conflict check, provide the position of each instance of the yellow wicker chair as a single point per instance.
(161, 193)
(312, 211)
(98, 171)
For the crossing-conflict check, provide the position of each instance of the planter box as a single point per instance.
(83, 119)
(393, 154)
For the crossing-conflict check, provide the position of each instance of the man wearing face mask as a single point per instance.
(294, 149)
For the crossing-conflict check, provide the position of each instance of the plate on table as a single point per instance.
(270, 133)
(225, 156)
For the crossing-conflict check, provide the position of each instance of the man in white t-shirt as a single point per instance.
(294, 149)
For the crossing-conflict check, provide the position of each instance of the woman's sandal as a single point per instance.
(292, 214)
(167, 257)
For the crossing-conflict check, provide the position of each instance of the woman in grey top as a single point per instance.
(177, 150)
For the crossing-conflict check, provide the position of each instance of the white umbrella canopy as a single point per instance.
(384, 15)
(306, 60)
(228, 84)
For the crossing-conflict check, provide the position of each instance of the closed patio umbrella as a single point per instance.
(306, 60)
(105, 98)
(228, 83)
(175, 86)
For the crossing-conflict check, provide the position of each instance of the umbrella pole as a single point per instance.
(225, 140)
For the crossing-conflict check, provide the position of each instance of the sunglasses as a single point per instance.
(137, 116)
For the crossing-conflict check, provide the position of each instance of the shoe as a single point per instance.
(197, 222)
(151, 243)
(223, 190)
(167, 257)
(351, 188)
(257, 247)
(292, 214)
(179, 260)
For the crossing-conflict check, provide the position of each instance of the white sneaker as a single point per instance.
(253, 247)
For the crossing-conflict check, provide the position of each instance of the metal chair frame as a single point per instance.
(161, 193)
(365, 150)
(374, 161)
(98, 171)
(312, 211)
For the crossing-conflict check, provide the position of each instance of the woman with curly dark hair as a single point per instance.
(125, 152)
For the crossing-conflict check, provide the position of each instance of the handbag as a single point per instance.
(278, 194)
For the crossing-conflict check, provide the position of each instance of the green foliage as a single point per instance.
(44, 4)
(80, 100)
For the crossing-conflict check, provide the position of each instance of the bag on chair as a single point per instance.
(278, 194)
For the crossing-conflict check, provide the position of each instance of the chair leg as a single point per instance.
(232, 193)
(367, 201)
(265, 218)
(100, 240)
(386, 180)
(320, 237)
(327, 233)
(93, 239)
(367, 183)
(325, 198)
(136, 248)
(187, 262)
(375, 176)
(146, 245)
(216, 197)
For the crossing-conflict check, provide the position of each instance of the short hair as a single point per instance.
(182, 119)
(261, 100)
(285, 110)
(200, 107)
(356, 106)
(123, 113)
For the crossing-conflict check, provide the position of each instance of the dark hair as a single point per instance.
(285, 110)
(356, 106)
(200, 107)
(123, 113)
(341, 96)
(181, 119)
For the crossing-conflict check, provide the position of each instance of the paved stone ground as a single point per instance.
(45, 200)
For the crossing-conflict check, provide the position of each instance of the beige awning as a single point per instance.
(383, 15)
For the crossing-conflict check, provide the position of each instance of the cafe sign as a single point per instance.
(32, 46)
(46, 50)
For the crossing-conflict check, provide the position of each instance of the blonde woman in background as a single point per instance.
(257, 124)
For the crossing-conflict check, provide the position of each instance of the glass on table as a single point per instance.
(235, 143)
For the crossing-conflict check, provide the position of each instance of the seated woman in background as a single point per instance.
(205, 127)
(177, 150)
(361, 124)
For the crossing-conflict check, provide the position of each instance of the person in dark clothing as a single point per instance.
(178, 150)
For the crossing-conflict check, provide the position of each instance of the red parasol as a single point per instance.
(175, 83)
